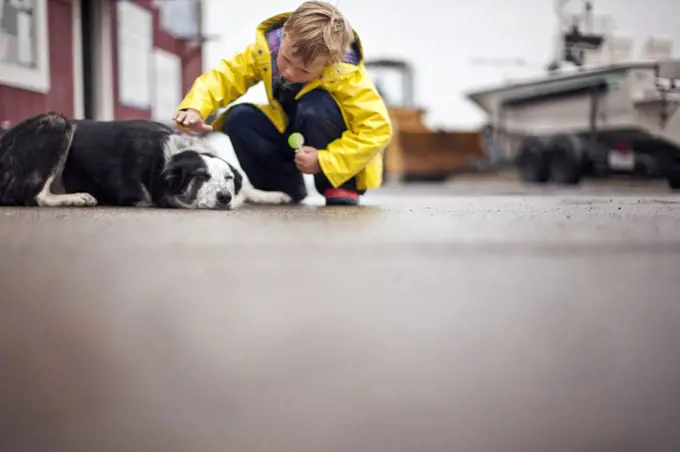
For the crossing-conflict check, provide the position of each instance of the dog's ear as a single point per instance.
(175, 175)
(171, 174)
(181, 170)
(238, 179)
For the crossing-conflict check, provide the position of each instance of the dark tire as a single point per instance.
(435, 177)
(566, 157)
(673, 178)
(534, 160)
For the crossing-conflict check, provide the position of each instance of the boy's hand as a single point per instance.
(192, 119)
(307, 161)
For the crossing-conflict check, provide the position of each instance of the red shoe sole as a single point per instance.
(341, 193)
(341, 196)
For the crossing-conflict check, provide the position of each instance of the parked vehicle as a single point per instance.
(616, 118)
(416, 152)
(606, 113)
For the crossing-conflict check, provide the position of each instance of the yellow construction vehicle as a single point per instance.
(416, 152)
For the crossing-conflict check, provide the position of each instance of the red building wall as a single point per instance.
(17, 104)
(192, 61)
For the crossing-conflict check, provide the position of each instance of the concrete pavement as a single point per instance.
(468, 318)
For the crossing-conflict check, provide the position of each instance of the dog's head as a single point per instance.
(200, 180)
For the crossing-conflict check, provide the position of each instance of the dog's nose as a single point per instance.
(224, 198)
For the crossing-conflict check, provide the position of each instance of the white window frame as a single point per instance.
(31, 79)
(137, 93)
(167, 85)
(169, 9)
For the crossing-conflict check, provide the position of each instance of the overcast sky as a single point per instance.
(442, 37)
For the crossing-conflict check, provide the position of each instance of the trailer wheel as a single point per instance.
(566, 158)
(673, 178)
(534, 160)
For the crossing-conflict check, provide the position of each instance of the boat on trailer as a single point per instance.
(596, 119)
(621, 117)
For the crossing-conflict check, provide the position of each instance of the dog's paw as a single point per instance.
(82, 200)
(281, 198)
(268, 197)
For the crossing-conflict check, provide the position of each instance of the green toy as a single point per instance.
(296, 140)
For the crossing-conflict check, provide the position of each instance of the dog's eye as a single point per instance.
(228, 177)
(203, 176)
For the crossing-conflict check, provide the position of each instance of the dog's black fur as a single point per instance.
(50, 160)
(29, 154)
(122, 157)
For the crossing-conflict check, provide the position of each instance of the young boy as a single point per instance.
(311, 62)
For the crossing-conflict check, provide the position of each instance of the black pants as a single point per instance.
(264, 153)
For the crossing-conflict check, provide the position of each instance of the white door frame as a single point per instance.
(78, 78)
(31, 79)
(102, 58)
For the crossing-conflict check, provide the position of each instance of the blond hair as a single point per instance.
(318, 29)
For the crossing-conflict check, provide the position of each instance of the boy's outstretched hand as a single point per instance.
(307, 161)
(192, 119)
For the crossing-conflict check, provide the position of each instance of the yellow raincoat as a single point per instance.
(359, 150)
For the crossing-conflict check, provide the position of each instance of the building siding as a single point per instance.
(17, 104)
(192, 61)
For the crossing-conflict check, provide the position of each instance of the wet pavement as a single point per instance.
(471, 318)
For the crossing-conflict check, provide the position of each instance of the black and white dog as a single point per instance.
(51, 160)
